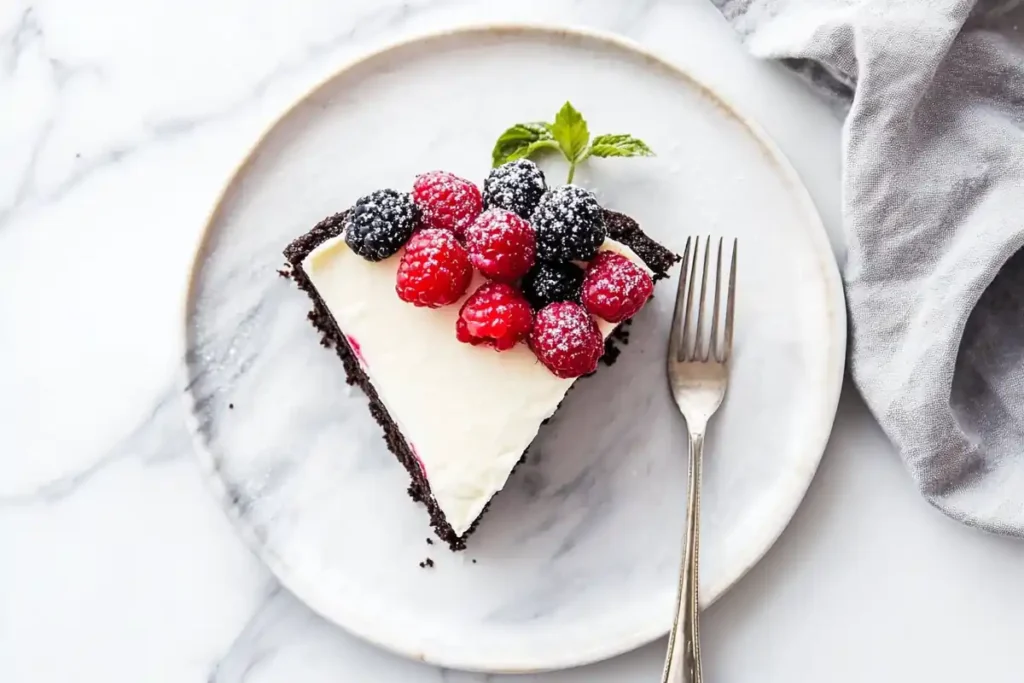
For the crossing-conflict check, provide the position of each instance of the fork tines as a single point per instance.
(691, 343)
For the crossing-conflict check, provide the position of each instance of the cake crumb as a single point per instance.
(474, 560)
(426, 563)
(430, 562)
(611, 351)
(231, 406)
(285, 272)
(430, 542)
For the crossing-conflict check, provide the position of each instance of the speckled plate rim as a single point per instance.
(772, 524)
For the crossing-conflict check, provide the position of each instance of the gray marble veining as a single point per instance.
(119, 125)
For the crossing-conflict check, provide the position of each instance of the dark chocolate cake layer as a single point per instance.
(621, 228)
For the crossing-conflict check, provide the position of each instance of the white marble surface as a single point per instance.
(118, 123)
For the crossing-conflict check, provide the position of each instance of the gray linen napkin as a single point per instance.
(933, 208)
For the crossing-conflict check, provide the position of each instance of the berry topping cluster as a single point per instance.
(538, 250)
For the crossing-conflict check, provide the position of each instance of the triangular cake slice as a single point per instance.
(416, 374)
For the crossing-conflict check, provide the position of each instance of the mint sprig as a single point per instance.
(569, 134)
(521, 140)
(619, 146)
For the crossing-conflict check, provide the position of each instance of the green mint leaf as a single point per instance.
(516, 142)
(530, 149)
(618, 146)
(570, 130)
(570, 134)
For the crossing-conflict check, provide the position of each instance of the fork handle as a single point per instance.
(682, 663)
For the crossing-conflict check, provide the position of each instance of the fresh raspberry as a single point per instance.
(615, 288)
(435, 269)
(566, 340)
(446, 201)
(496, 314)
(501, 245)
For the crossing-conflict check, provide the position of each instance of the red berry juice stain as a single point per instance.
(356, 349)
(419, 460)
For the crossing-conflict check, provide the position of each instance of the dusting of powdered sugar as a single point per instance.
(569, 223)
(380, 223)
(620, 273)
(516, 186)
(565, 207)
(572, 332)
(567, 339)
(389, 205)
(446, 201)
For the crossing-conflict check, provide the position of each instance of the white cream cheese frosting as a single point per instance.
(468, 412)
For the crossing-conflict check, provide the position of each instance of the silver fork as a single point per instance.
(698, 373)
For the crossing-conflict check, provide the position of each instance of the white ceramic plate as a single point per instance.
(576, 560)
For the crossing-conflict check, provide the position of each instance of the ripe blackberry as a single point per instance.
(516, 186)
(380, 223)
(549, 283)
(569, 224)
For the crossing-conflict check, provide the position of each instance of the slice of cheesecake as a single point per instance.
(417, 375)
